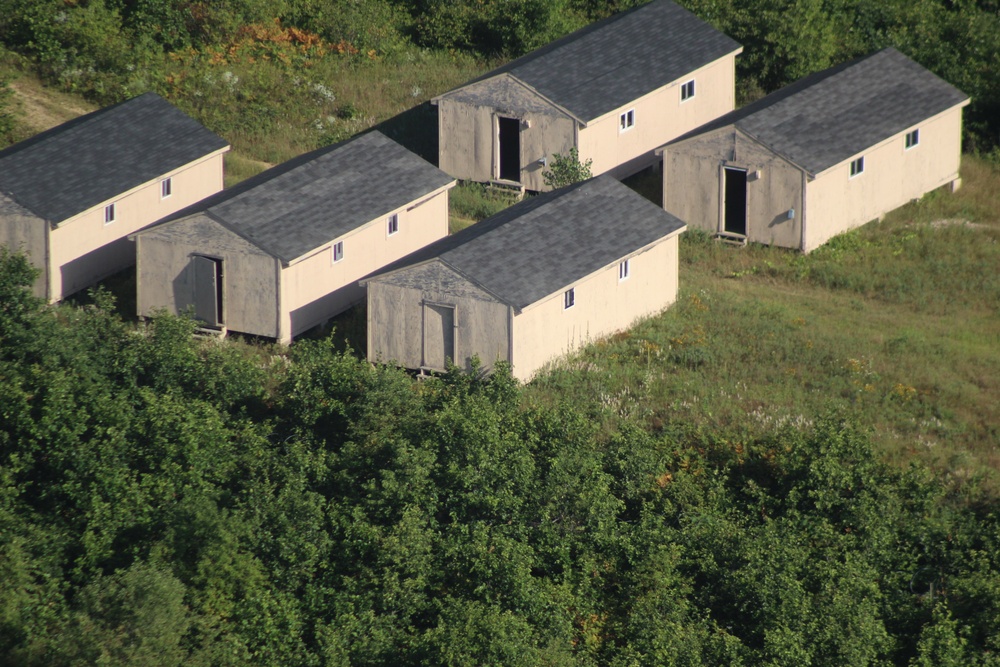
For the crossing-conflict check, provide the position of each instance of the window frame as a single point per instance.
(166, 188)
(110, 213)
(626, 120)
(569, 298)
(624, 270)
(687, 90)
(857, 166)
(915, 135)
(337, 252)
(392, 225)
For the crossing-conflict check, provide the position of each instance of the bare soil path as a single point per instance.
(42, 108)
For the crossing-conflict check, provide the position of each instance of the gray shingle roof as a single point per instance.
(311, 200)
(94, 158)
(610, 63)
(830, 116)
(547, 243)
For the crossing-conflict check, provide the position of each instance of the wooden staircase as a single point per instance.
(506, 190)
(729, 238)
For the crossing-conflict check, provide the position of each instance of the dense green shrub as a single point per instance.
(166, 499)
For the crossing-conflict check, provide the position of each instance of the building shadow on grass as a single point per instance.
(121, 286)
(416, 130)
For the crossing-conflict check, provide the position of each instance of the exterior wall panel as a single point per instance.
(468, 134)
(604, 304)
(892, 177)
(660, 117)
(84, 249)
(466, 140)
(691, 179)
(315, 288)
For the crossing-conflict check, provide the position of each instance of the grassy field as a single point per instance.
(896, 324)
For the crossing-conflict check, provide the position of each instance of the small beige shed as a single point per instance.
(615, 90)
(70, 196)
(284, 250)
(530, 284)
(828, 153)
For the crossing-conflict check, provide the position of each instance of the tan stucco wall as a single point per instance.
(164, 280)
(396, 309)
(660, 117)
(693, 186)
(314, 288)
(21, 231)
(545, 330)
(467, 125)
(892, 177)
(83, 249)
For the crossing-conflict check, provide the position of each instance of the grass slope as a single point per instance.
(896, 323)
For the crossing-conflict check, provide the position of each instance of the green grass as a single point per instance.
(240, 167)
(271, 111)
(469, 203)
(896, 324)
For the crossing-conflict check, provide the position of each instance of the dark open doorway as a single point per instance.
(509, 135)
(735, 203)
(207, 290)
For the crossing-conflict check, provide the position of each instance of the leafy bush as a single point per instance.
(567, 169)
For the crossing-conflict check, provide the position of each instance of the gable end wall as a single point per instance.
(694, 186)
(165, 279)
(396, 309)
(469, 143)
(22, 231)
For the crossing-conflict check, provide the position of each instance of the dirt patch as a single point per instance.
(961, 222)
(42, 108)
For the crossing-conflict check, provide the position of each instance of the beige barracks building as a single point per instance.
(828, 153)
(70, 196)
(284, 250)
(528, 285)
(615, 90)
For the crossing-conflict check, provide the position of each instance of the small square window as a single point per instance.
(687, 90)
(857, 166)
(393, 225)
(626, 121)
(166, 188)
(338, 251)
(109, 214)
(912, 139)
(569, 298)
(623, 270)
